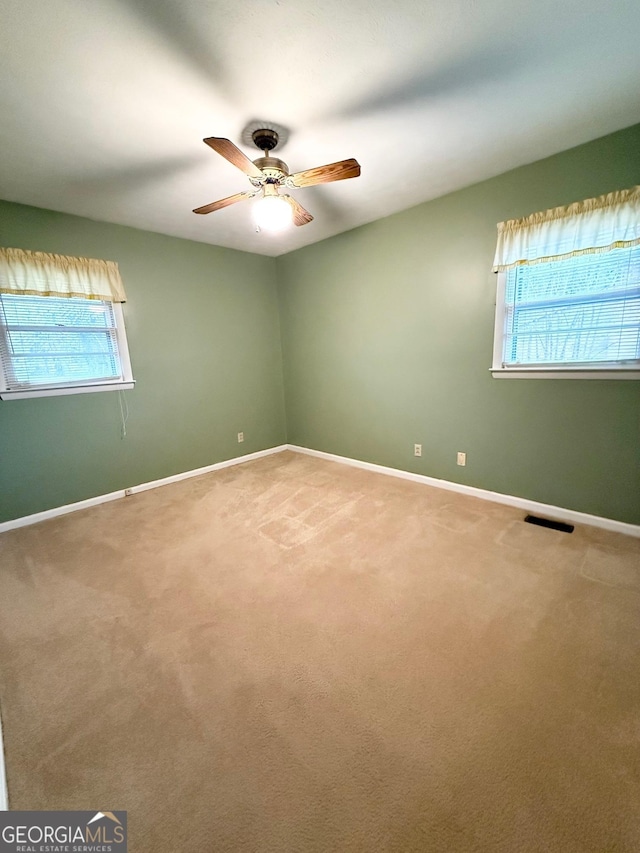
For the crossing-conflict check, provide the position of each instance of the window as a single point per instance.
(568, 301)
(73, 344)
(58, 344)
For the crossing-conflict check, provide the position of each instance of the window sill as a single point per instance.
(564, 373)
(24, 394)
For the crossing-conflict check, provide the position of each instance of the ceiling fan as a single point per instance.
(267, 174)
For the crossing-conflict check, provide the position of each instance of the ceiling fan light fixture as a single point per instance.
(272, 213)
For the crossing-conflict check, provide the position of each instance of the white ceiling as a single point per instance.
(104, 103)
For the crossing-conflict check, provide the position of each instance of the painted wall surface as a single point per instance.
(203, 331)
(387, 339)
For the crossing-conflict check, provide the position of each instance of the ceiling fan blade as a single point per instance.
(223, 202)
(234, 155)
(326, 174)
(300, 215)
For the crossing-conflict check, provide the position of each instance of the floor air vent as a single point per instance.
(548, 522)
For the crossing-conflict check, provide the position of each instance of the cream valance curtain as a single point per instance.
(596, 225)
(28, 273)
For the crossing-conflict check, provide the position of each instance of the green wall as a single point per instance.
(387, 336)
(203, 331)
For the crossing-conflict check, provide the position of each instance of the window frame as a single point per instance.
(84, 387)
(606, 370)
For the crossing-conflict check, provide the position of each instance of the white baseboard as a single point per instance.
(555, 512)
(217, 466)
(132, 490)
(549, 510)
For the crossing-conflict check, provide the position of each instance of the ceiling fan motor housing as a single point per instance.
(273, 168)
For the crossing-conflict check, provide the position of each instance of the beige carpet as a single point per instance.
(292, 655)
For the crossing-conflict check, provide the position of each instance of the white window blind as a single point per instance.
(583, 310)
(48, 342)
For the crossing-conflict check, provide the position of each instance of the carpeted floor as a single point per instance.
(293, 655)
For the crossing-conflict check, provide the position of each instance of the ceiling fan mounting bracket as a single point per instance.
(265, 139)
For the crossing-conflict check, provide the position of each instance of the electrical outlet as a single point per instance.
(462, 458)
(240, 437)
(417, 450)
